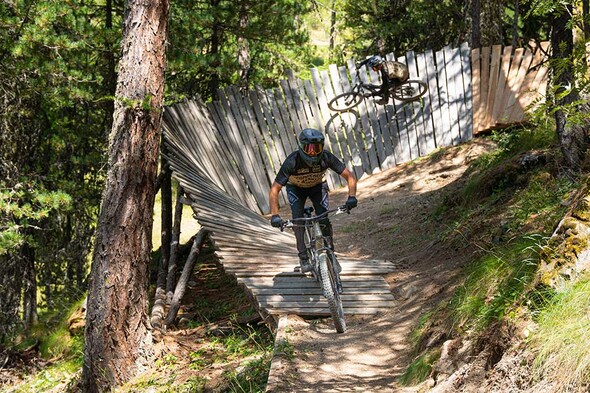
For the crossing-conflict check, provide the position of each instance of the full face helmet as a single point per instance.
(311, 146)
(375, 61)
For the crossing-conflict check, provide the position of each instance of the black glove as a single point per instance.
(351, 202)
(276, 221)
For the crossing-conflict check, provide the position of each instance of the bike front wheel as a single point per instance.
(410, 90)
(329, 281)
(345, 101)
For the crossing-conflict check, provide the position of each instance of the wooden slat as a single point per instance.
(427, 134)
(453, 67)
(501, 85)
(493, 85)
(516, 85)
(446, 137)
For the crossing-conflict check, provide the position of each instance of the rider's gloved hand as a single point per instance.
(351, 202)
(276, 221)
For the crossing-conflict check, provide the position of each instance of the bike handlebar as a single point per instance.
(296, 222)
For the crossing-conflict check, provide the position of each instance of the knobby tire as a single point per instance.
(328, 281)
(345, 101)
(410, 90)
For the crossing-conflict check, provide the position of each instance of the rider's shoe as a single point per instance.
(305, 265)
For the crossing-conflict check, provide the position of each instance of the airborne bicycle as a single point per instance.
(407, 91)
(326, 269)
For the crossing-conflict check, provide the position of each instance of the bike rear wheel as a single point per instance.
(345, 101)
(410, 90)
(328, 278)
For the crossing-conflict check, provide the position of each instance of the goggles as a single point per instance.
(313, 149)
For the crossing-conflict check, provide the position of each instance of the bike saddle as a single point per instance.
(307, 211)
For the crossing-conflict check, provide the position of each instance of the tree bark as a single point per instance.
(572, 137)
(11, 281)
(184, 277)
(515, 37)
(475, 24)
(117, 336)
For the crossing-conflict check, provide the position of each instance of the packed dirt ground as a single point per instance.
(395, 221)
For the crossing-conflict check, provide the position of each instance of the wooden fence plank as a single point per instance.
(332, 179)
(493, 85)
(365, 139)
(516, 85)
(501, 85)
(358, 156)
(453, 68)
(428, 125)
(417, 110)
(484, 87)
(331, 138)
(376, 137)
(446, 138)
(476, 87)
(243, 147)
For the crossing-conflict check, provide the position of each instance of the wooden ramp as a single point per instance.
(262, 258)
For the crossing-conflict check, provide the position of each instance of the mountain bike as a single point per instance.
(326, 269)
(408, 91)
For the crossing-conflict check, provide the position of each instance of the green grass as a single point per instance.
(420, 368)
(55, 377)
(494, 284)
(562, 336)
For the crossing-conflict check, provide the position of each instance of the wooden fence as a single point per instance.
(506, 82)
(240, 141)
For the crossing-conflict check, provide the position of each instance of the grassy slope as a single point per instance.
(513, 200)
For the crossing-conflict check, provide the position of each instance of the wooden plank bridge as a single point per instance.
(262, 258)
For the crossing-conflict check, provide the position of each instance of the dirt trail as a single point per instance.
(395, 222)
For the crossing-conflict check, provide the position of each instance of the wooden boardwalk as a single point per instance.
(262, 258)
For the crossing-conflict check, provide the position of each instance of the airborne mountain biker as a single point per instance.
(392, 72)
(303, 173)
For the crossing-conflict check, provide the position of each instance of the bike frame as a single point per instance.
(325, 266)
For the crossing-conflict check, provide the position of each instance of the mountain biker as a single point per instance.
(303, 173)
(392, 72)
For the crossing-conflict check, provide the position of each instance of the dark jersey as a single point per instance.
(294, 171)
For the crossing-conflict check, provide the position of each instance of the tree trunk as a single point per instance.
(475, 24)
(572, 137)
(30, 292)
(11, 281)
(332, 28)
(216, 34)
(243, 47)
(515, 37)
(184, 277)
(166, 203)
(171, 279)
(117, 334)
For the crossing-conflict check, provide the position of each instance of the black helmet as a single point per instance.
(311, 146)
(375, 61)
